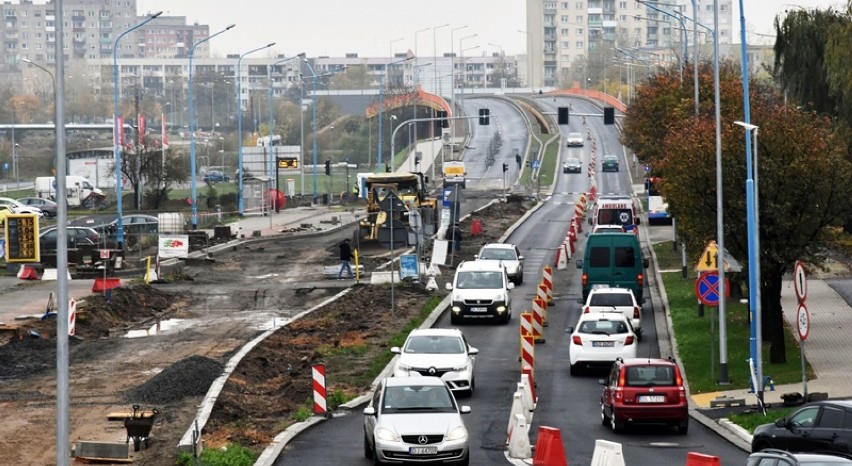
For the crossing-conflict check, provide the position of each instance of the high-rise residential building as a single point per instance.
(575, 41)
(90, 28)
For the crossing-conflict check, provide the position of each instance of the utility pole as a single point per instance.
(138, 153)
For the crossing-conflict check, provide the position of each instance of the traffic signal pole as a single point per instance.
(406, 123)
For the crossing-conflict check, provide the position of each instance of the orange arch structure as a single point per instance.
(592, 94)
(423, 98)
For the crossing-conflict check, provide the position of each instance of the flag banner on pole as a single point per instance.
(164, 134)
(141, 127)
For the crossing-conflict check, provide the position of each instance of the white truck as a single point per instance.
(79, 191)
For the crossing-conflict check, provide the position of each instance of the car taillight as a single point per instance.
(628, 340)
(679, 382)
(577, 340)
(640, 279)
(586, 310)
(619, 390)
(635, 312)
(585, 279)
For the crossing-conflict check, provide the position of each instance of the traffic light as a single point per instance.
(563, 115)
(445, 123)
(387, 168)
(484, 116)
(328, 167)
(505, 167)
(609, 116)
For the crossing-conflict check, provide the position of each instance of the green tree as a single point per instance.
(838, 65)
(355, 77)
(803, 179)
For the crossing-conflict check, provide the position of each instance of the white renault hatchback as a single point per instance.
(438, 352)
(599, 339)
(507, 253)
(415, 419)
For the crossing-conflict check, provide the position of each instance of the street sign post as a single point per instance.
(803, 325)
(800, 282)
(707, 288)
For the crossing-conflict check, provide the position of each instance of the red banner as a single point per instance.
(164, 134)
(120, 131)
(141, 127)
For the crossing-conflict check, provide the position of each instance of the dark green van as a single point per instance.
(613, 259)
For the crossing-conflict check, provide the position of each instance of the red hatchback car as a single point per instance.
(640, 391)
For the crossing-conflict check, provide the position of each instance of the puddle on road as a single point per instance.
(159, 327)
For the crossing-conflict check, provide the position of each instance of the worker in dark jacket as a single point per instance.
(345, 257)
(456, 238)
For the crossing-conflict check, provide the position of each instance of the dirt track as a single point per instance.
(205, 318)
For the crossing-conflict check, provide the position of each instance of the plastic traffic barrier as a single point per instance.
(700, 459)
(607, 454)
(519, 438)
(548, 448)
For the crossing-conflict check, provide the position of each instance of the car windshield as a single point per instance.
(434, 344)
(498, 254)
(603, 327)
(572, 161)
(645, 376)
(417, 398)
(610, 299)
(575, 136)
(479, 280)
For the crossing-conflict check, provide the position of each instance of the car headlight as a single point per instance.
(403, 367)
(501, 309)
(388, 435)
(459, 433)
(462, 368)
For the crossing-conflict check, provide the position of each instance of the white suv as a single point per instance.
(480, 289)
(606, 299)
(509, 255)
(438, 352)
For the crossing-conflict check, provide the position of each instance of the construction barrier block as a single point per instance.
(527, 399)
(527, 378)
(548, 448)
(517, 408)
(700, 459)
(25, 272)
(105, 284)
(519, 438)
(607, 454)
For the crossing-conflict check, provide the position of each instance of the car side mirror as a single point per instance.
(472, 351)
(645, 263)
(396, 350)
(781, 422)
(448, 286)
(369, 411)
(520, 258)
(569, 330)
(464, 409)
(579, 263)
(510, 286)
(475, 256)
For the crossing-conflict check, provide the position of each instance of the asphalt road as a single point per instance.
(565, 402)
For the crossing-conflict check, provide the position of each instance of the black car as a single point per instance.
(83, 244)
(774, 457)
(823, 426)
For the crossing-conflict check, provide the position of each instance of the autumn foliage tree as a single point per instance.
(803, 175)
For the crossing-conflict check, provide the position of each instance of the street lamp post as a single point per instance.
(240, 171)
(15, 167)
(118, 129)
(193, 175)
(437, 84)
(314, 109)
(271, 125)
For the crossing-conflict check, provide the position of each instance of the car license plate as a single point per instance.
(603, 344)
(423, 450)
(479, 309)
(652, 398)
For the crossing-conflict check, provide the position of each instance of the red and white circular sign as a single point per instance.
(803, 322)
(800, 282)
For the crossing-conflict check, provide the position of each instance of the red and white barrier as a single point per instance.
(526, 324)
(700, 459)
(528, 353)
(519, 438)
(72, 317)
(548, 448)
(26, 272)
(538, 322)
(540, 307)
(320, 404)
(562, 257)
(547, 279)
(607, 454)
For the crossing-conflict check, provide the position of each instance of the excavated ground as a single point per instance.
(204, 317)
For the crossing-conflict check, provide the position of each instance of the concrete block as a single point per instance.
(103, 450)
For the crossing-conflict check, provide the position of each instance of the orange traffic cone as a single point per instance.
(548, 448)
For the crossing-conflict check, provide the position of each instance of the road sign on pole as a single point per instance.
(800, 282)
(707, 288)
(803, 321)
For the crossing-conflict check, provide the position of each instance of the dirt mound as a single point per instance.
(188, 377)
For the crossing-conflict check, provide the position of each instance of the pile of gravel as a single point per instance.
(188, 377)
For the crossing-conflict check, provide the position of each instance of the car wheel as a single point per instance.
(604, 417)
(454, 319)
(760, 446)
(574, 369)
(616, 425)
(507, 318)
(682, 427)
(368, 450)
(520, 279)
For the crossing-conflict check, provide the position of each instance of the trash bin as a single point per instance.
(325, 199)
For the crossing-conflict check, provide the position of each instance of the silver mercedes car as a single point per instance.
(415, 419)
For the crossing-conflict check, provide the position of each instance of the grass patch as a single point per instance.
(751, 420)
(698, 337)
(232, 455)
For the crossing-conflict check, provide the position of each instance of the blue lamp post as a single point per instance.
(271, 119)
(314, 109)
(117, 128)
(381, 105)
(240, 126)
(192, 129)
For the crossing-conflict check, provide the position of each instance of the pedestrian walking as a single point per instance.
(456, 237)
(345, 257)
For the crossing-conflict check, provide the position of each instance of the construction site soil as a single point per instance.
(162, 346)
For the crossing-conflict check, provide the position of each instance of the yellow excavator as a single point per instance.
(410, 188)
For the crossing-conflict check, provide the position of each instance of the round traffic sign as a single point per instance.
(707, 288)
(803, 322)
(800, 282)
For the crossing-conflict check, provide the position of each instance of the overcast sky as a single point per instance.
(371, 28)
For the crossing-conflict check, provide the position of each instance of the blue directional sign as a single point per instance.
(707, 288)
(536, 163)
